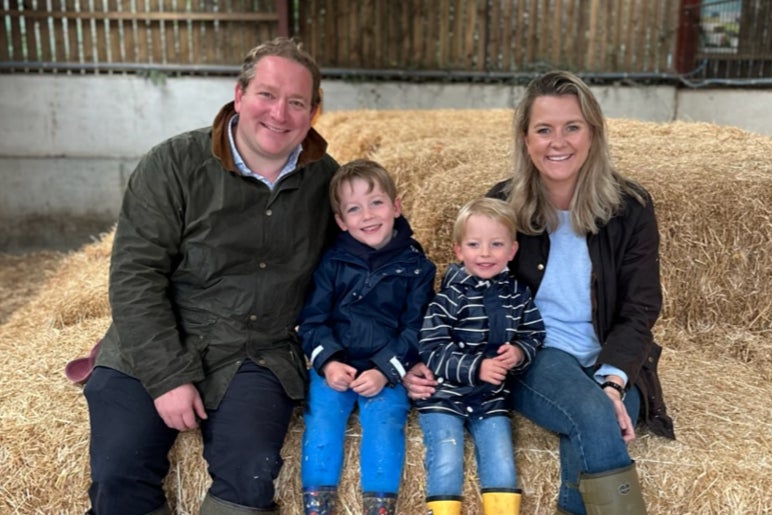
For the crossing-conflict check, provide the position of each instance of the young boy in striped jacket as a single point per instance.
(481, 327)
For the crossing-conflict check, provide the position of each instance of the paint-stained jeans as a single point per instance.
(558, 394)
(444, 441)
(382, 448)
(129, 441)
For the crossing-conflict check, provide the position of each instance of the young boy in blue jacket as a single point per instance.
(359, 329)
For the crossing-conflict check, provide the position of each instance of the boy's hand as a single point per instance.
(369, 383)
(493, 371)
(339, 375)
(510, 355)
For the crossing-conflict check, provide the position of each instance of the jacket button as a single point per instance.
(540, 267)
(261, 361)
(253, 317)
(268, 212)
(262, 265)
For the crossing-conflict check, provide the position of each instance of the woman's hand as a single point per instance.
(623, 418)
(419, 382)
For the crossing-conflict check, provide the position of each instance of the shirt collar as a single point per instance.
(242, 167)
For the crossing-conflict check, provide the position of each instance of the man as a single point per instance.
(217, 239)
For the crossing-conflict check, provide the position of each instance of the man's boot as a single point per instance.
(501, 501)
(379, 503)
(215, 506)
(319, 500)
(612, 492)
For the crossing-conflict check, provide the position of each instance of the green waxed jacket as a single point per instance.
(209, 267)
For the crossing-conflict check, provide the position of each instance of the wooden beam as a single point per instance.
(146, 16)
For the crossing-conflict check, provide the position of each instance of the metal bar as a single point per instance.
(411, 75)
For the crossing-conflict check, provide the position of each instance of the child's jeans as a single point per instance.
(444, 441)
(382, 448)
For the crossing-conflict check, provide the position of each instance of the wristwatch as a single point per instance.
(616, 387)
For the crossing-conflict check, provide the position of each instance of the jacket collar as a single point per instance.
(314, 145)
(457, 275)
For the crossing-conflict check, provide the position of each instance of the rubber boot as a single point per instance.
(379, 503)
(319, 500)
(612, 492)
(215, 506)
(443, 505)
(163, 510)
(501, 501)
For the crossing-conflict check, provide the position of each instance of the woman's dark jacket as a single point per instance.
(210, 267)
(367, 305)
(467, 322)
(626, 295)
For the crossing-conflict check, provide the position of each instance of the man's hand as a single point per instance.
(338, 375)
(369, 383)
(419, 382)
(181, 407)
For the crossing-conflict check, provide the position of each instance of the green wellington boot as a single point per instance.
(613, 492)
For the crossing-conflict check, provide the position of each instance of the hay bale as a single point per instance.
(713, 199)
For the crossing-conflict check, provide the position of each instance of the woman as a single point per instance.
(589, 251)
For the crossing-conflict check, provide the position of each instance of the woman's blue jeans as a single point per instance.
(558, 394)
(444, 442)
(382, 448)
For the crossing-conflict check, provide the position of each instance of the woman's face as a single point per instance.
(558, 141)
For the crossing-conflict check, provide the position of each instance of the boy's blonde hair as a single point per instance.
(495, 209)
(369, 171)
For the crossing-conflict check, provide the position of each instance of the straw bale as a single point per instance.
(711, 187)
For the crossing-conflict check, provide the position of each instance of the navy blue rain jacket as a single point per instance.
(367, 306)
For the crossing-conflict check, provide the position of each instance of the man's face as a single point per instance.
(274, 111)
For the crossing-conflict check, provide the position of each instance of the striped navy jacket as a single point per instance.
(465, 323)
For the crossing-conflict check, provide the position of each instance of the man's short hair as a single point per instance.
(287, 48)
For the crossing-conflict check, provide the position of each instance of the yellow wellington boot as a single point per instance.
(443, 505)
(501, 501)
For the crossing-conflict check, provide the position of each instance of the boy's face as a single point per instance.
(367, 215)
(486, 247)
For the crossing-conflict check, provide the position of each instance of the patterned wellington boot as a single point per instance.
(379, 503)
(319, 500)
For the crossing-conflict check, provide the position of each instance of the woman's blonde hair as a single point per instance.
(599, 190)
(495, 209)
